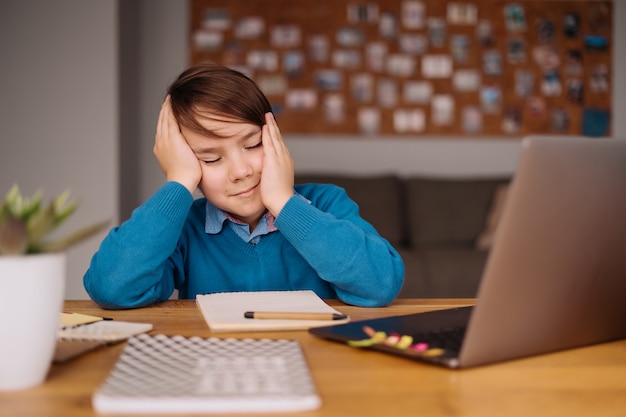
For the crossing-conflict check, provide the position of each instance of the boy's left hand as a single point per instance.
(278, 168)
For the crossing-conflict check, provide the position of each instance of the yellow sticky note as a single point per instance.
(74, 319)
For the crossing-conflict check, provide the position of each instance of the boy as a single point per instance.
(254, 230)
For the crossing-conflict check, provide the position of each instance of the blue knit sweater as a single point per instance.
(324, 246)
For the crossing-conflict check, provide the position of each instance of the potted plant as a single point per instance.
(32, 283)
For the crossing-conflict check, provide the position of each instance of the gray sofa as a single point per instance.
(434, 223)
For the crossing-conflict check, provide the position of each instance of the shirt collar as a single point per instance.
(215, 219)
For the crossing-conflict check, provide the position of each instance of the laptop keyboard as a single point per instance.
(449, 339)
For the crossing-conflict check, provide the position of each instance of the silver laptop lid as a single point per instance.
(556, 275)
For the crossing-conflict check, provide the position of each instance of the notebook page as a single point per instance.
(224, 312)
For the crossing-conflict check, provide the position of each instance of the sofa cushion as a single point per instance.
(452, 273)
(380, 200)
(448, 212)
(485, 238)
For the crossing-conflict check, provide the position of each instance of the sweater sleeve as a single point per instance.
(344, 249)
(132, 267)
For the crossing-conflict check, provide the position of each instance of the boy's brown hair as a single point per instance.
(213, 90)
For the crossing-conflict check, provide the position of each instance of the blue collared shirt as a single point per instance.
(216, 218)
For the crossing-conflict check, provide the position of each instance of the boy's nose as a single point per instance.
(240, 168)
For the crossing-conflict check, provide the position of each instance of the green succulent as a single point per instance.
(26, 222)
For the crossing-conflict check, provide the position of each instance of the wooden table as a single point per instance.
(351, 382)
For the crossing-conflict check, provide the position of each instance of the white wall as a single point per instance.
(58, 110)
(163, 44)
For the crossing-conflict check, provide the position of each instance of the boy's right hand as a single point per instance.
(177, 160)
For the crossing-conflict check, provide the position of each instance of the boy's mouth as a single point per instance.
(246, 192)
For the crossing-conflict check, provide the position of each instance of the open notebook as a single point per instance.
(79, 333)
(224, 312)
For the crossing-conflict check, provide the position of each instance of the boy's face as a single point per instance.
(231, 166)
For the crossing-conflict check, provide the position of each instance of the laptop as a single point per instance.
(555, 277)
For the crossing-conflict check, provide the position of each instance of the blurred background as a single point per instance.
(81, 84)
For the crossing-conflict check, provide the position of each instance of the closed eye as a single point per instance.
(210, 161)
(257, 145)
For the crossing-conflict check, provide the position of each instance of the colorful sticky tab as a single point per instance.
(402, 342)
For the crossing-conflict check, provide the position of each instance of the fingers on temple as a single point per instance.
(273, 130)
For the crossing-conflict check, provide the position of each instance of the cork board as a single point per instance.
(418, 67)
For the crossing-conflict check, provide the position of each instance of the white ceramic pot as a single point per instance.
(32, 289)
